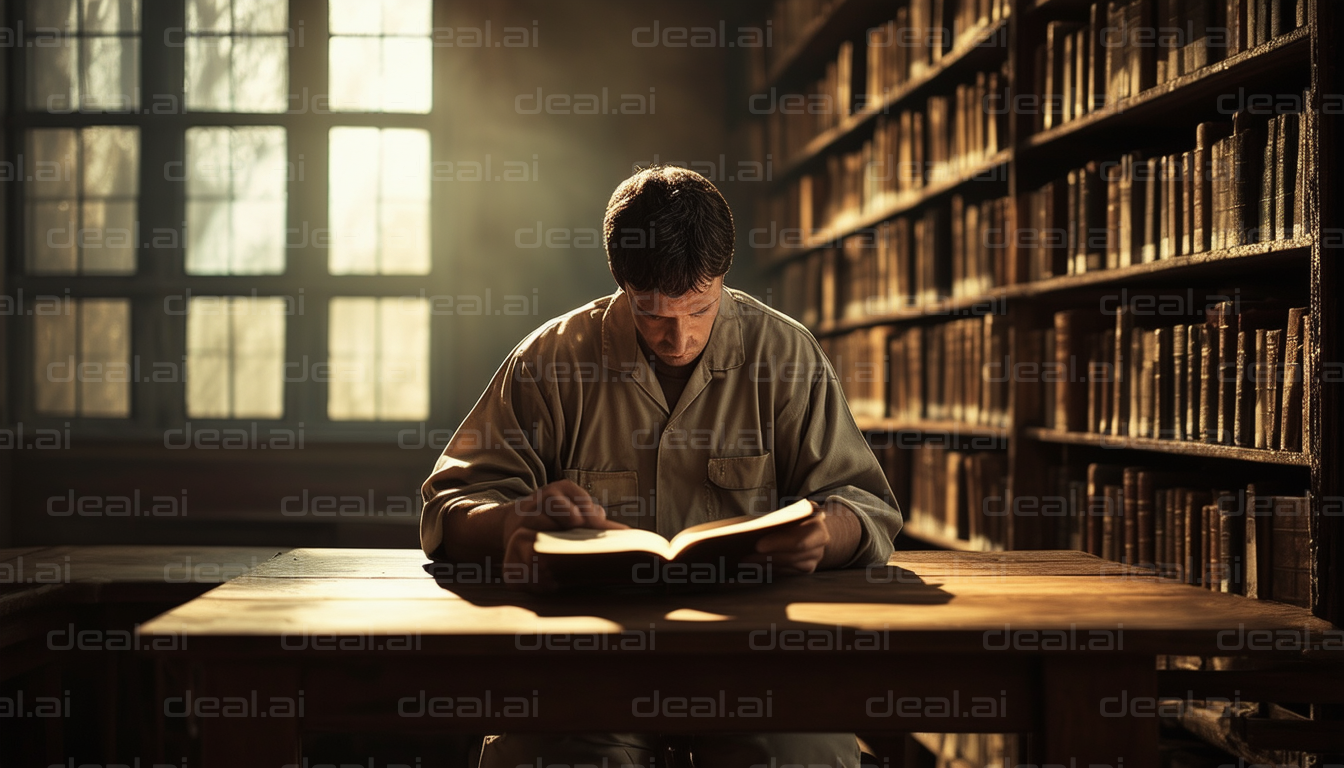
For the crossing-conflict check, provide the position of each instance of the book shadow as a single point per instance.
(639, 606)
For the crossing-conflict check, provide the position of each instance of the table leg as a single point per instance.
(1099, 710)
(248, 715)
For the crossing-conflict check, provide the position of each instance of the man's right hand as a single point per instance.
(556, 506)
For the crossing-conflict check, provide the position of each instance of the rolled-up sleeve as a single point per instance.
(829, 461)
(494, 457)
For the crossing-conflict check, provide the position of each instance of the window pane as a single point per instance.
(261, 16)
(403, 359)
(356, 77)
(355, 17)
(261, 77)
(407, 82)
(54, 362)
(208, 87)
(104, 357)
(53, 153)
(258, 357)
(111, 16)
(351, 346)
(236, 200)
(237, 56)
(51, 230)
(208, 233)
(379, 351)
(379, 201)
(207, 357)
(354, 184)
(52, 85)
(381, 56)
(82, 359)
(111, 162)
(209, 16)
(45, 15)
(82, 200)
(407, 17)
(235, 357)
(111, 74)
(107, 238)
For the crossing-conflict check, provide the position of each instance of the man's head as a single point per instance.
(669, 237)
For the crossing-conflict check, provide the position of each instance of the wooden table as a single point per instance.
(1058, 644)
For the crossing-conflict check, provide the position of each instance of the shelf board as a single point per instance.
(833, 234)
(926, 426)
(1220, 77)
(1179, 447)
(940, 540)
(995, 300)
(969, 52)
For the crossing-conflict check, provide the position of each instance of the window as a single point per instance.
(236, 200)
(381, 56)
(379, 353)
(83, 55)
(81, 358)
(237, 56)
(379, 201)
(80, 201)
(235, 357)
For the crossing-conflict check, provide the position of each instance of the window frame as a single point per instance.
(160, 285)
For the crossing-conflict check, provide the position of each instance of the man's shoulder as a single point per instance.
(565, 334)
(768, 328)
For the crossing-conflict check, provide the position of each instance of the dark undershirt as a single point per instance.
(672, 379)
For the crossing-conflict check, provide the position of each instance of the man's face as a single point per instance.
(677, 330)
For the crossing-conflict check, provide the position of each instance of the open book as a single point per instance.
(709, 553)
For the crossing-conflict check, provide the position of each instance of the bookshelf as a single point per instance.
(900, 260)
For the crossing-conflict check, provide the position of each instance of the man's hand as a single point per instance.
(817, 543)
(557, 506)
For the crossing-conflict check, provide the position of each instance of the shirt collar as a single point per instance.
(620, 346)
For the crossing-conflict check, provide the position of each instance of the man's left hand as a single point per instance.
(823, 541)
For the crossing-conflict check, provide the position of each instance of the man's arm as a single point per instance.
(825, 459)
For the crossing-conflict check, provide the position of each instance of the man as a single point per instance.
(672, 402)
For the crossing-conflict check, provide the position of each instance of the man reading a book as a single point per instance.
(672, 402)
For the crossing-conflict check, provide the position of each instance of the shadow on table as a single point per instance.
(640, 605)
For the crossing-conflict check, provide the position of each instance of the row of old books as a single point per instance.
(793, 120)
(950, 493)
(1236, 541)
(1125, 48)
(956, 371)
(913, 44)
(904, 263)
(1240, 377)
(859, 360)
(1243, 182)
(951, 138)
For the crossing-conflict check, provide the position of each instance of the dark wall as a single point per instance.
(536, 237)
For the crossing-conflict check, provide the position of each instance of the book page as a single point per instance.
(794, 512)
(592, 541)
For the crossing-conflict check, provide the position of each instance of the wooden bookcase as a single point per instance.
(1162, 118)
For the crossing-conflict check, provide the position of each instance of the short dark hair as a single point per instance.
(668, 229)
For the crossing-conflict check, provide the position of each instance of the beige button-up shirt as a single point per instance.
(762, 422)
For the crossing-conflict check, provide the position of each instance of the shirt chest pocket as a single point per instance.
(742, 485)
(617, 492)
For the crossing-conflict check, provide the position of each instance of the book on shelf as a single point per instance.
(1236, 378)
(1241, 183)
(1235, 540)
(952, 136)
(952, 494)
(954, 371)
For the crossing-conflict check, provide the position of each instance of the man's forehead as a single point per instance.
(653, 302)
